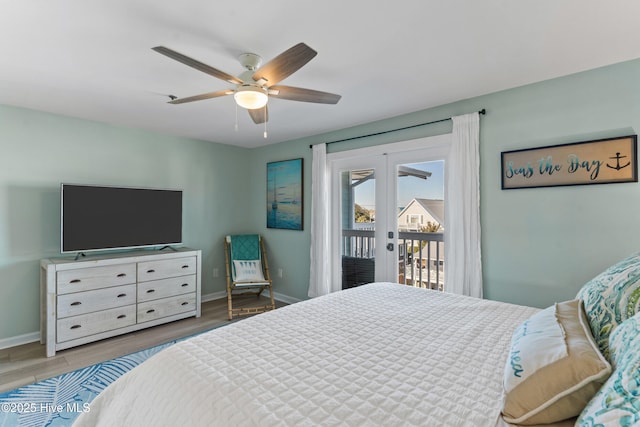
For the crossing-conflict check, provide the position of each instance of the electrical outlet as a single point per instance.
(280, 273)
(216, 272)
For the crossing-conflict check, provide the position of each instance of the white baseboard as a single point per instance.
(214, 296)
(35, 336)
(278, 296)
(285, 298)
(19, 340)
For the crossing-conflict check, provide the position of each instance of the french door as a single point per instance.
(387, 213)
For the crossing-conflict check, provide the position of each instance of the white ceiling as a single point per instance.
(93, 59)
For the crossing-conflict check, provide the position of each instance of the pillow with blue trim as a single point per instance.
(618, 401)
(554, 367)
(611, 298)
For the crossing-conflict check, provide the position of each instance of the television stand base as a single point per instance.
(169, 247)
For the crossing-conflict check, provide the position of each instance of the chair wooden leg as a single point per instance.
(229, 303)
(273, 302)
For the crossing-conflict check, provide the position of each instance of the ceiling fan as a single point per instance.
(255, 85)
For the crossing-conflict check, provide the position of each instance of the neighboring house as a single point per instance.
(419, 212)
(412, 218)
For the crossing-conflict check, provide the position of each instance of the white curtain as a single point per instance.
(462, 214)
(320, 274)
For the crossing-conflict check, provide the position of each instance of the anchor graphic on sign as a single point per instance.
(618, 166)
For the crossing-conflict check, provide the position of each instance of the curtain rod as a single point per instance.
(483, 112)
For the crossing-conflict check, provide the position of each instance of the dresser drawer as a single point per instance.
(93, 323)
(161, 269)
(99, 299)
(87, 279)
(156, 289)
(152, 310)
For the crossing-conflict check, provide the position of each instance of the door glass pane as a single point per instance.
(421, 224)
(357, 218)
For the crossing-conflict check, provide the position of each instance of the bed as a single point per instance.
(382, 354)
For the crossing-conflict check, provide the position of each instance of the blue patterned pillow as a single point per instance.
(618, 401)
(611, 298)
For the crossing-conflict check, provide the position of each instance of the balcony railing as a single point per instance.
(420, 258)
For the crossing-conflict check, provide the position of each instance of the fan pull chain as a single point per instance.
(265, 122)
(236, 127)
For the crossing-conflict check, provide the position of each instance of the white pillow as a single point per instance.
(541, 335)
(248, 270)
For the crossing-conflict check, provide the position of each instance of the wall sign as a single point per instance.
(603, 161)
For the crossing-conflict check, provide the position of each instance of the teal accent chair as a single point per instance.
(247, 274)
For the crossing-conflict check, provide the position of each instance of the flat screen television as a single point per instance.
(95, 218)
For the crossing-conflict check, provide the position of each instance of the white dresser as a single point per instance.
(101, 296)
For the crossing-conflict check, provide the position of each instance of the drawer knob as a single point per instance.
(75, 303)
(122, 275)
(151, 270)
(185, 285)
(185, 303)
(150, 311)
(185, 266)
(75, 281)
(122, 316)
(150, 291)
(122, 295)
(76, 327)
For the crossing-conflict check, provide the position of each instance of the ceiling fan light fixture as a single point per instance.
(253, 87)
(251, 97)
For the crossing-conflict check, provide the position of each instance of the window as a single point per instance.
(414, 219)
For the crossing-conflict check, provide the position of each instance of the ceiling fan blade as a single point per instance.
(197, 64)
(201, 96)
(304, 95)
(259, 115)
(285, 64)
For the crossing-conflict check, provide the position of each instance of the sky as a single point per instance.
(409, 187)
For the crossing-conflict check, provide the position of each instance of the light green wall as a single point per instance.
(40, 150)
(539, 245)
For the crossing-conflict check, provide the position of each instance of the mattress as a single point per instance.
(382, 354)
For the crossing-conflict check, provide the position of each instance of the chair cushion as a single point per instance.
(554, 367)
(245, 246)
(612, 297)
(248, 270)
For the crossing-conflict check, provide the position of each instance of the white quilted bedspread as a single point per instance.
(377, 355)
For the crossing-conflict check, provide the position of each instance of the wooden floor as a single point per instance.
(28, 363)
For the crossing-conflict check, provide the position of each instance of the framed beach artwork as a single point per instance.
(284, 194)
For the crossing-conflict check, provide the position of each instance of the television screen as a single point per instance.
(100, 217)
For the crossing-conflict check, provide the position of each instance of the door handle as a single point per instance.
(390, 247)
